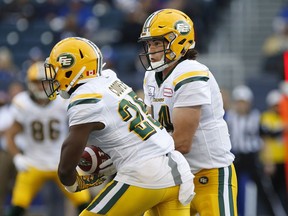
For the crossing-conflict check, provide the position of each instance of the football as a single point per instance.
(91, 158)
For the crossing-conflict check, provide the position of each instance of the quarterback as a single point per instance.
(103, 109)
(183, 95)
(43, 126)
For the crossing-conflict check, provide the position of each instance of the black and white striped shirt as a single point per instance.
(244, 131)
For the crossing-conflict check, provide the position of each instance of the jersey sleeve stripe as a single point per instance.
(86, 96)
(190, 75)
(188, 80)
(18, 104)
(83, 101)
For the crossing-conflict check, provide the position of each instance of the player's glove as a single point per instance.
(186, 192)
(85, 181)
(21, 162)
(107, 168)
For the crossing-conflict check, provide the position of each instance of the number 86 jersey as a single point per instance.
(44, 129)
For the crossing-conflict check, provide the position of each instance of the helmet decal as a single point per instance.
(182, 27)
(66, 60)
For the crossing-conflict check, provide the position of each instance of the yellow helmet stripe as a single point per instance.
(97, 53)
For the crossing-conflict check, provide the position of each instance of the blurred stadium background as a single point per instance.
(230, 36)
(229, 33)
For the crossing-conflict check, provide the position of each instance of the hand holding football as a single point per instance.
(92, 157)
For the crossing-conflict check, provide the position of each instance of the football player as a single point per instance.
(43, 126)
(183, 95)
(150, 173)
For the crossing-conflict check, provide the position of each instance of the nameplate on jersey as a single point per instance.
(158, 100)
(118, 87)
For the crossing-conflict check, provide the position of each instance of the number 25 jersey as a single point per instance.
(138, 145)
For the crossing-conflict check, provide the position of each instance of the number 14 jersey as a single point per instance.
(192, 84)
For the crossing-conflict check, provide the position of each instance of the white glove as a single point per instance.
(107, 168)
(21, 162)
(186, 192)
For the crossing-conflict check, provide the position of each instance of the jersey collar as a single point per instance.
(158, 76)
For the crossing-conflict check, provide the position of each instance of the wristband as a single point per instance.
(72, 188)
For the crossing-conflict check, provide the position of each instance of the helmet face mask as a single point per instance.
(36, 91)
(145, 57)
(50, 85)
(72, 61)
(172, 26)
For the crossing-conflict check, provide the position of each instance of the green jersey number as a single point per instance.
(164, 117)
(129, 111)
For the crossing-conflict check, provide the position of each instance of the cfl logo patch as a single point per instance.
(203, 180)
(66, 60)
(182, 27)
(151, 91)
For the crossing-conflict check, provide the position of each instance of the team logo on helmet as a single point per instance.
(66, 60)
(182, 27)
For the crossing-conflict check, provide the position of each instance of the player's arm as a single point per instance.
(21, 161)
(149, 110)
(71, 152)
(185, 122)
(10, 135)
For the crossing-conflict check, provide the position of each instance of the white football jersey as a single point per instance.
(6, 122)
(192, 84)
(44, 129)
(141, 149)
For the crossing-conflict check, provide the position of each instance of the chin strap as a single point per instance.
(75, 78)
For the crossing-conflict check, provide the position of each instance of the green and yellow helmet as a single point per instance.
(72, 61)
(173, 26)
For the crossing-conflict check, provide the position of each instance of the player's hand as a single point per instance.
(186, 192)
(21, 163)
(107, 168)
(85, 181)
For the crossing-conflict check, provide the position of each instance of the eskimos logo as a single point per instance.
(66, 60)
(182, 27)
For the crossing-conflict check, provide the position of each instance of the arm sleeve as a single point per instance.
(85, 113)
(193, 94)
(146, 95)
